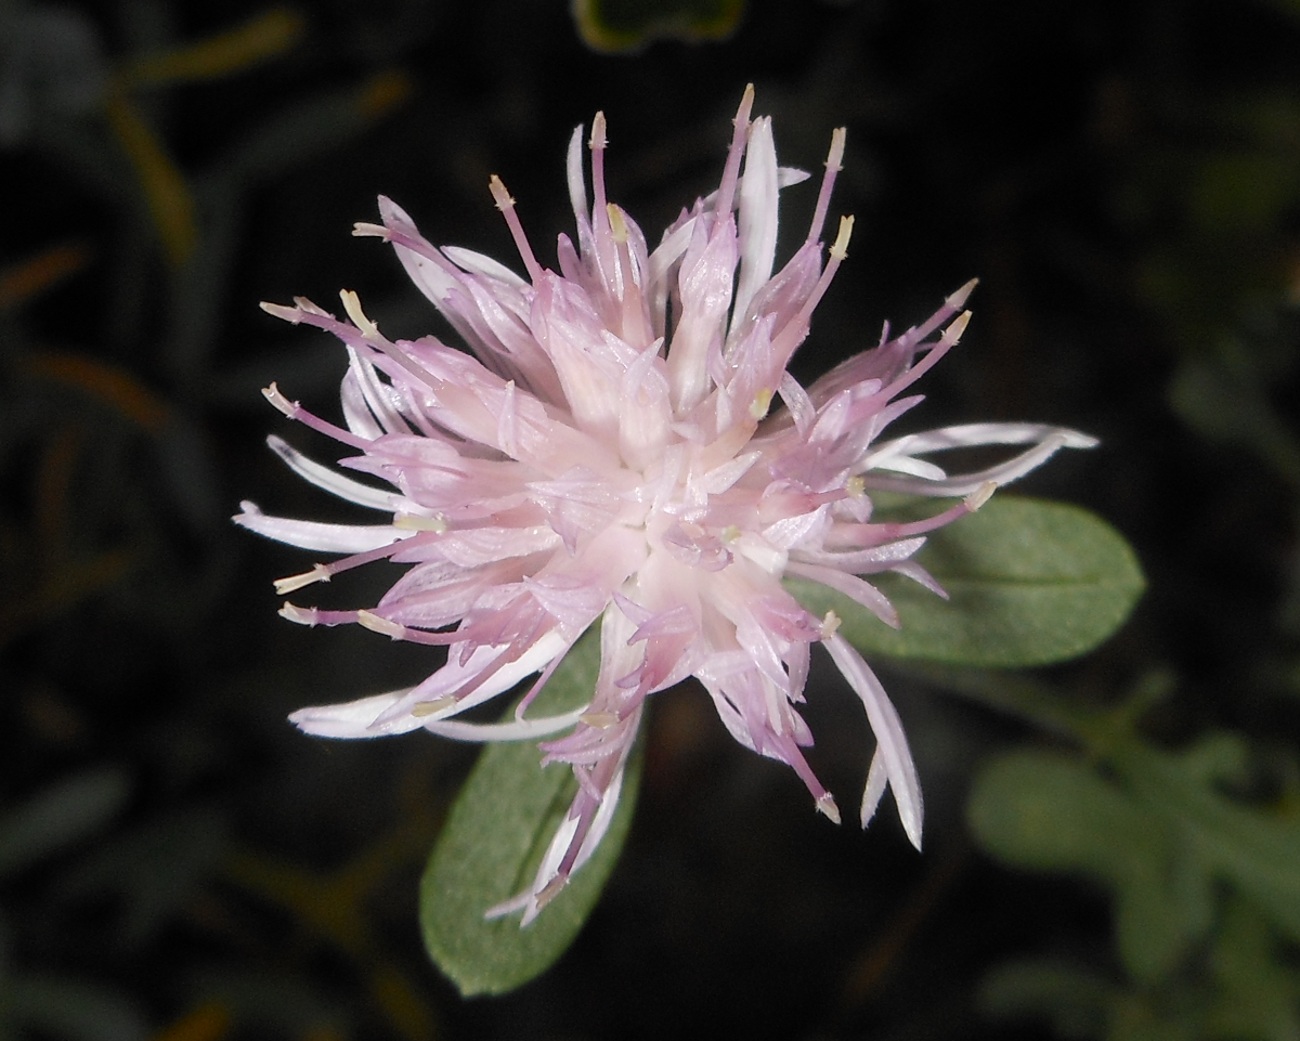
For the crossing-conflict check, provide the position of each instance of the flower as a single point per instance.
(608, 454)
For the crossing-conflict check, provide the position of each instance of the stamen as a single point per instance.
(287, 408)
(761, 403)
(383, 626)
(293, 315)
(431, 708)
(298, 615)
(319, 573)
(293, 410)
(506, 205)
(617, 223)
(418, 522)
(597, 143)
(950, 338)
(731, 172)
(352, 305)
(551, 890)
(834, 160)
(599, 720)
(980, 495)
(830, 625)
(364, 229)
(890, 532)
(636, 328)
(826, 805)
(797, 327)
(840, 247)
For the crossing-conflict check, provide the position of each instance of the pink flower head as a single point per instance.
(609, 453)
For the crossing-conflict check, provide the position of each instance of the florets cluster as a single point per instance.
(623, 446)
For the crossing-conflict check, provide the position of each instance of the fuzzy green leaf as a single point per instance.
(1030, 582)
(492, 843)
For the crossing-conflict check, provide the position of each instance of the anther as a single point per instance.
(319, 573)
(431, 708)
(377, 624)
(418, 522)
(352, 305)
(826, 805)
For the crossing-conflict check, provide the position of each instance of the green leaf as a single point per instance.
(492, 843)
(1254, 849)
(1077, 1002)
(629, 25)
(1050, 812)
(60, 816)
(1030, 582)
(57, 1006)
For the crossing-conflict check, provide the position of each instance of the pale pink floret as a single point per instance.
(612, 451)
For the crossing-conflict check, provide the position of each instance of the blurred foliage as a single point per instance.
(630, 25)
(176, 863)
(1203, 883)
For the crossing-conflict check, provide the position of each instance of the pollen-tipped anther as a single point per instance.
(433, 707)
(319, 573)
(378, 624)
(840, 248)
(826, 806)
(283, 405)
(980, 495)
(352, 305)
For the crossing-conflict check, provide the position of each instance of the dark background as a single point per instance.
(1123, 177)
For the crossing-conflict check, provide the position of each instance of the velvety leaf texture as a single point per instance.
(1030, 582)
(492, 843)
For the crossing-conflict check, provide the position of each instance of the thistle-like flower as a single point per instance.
(609, 454)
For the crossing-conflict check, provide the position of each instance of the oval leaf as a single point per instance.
(1049, 812)
(1030, 582)
(493, 842)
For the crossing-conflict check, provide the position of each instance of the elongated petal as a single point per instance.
(892, 742)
